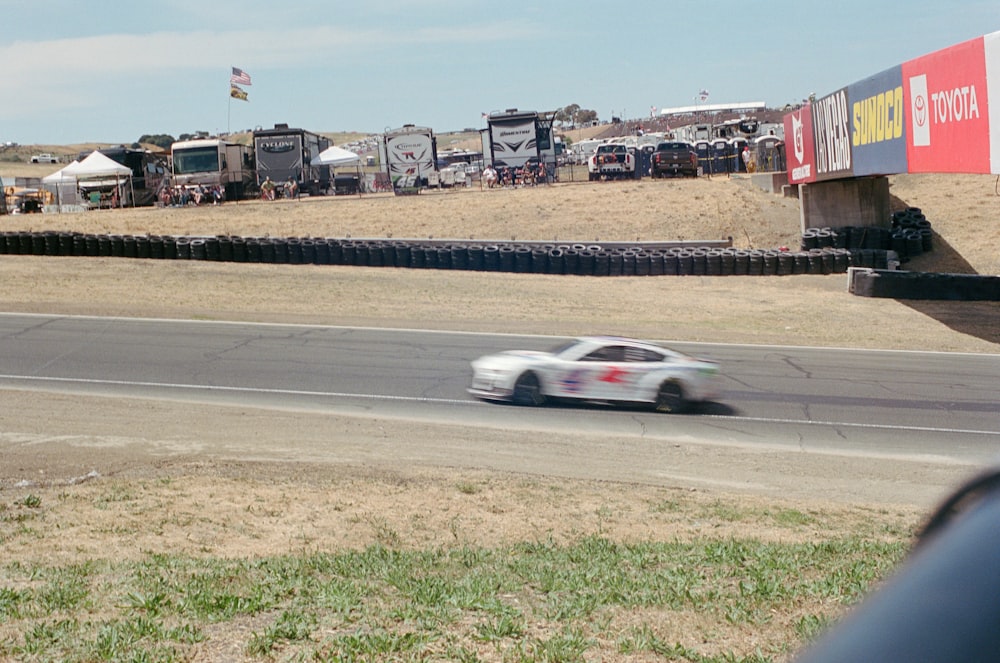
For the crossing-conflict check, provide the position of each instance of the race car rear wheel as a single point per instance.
(528, 390)
(670, 398)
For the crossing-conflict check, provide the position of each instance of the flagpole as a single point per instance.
(229, 108)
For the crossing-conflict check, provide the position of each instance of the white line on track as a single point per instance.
(451, 401)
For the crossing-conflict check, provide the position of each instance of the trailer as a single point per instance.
(213, 162)
(513, 139)
(409, 156)
(284, 153)
(581, 150)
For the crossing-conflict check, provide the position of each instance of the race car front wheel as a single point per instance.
(528, 390)
(670, 398)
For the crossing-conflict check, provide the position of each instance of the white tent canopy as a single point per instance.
(60, 176)
(336, 156)
(105, 170)
(96, 165)
(63, 186)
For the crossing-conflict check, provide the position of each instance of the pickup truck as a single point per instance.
(45, 157)
(611, 161)
(674, 158)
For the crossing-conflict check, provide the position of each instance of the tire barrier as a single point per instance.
(896, 284)
(909, 236)
(525, 258)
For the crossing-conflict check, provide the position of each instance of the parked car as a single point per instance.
(674, 158)
(611, 161)
(604, 369)
(45, 157)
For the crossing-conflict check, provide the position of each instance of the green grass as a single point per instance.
(588, 600)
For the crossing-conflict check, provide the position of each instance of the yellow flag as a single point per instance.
(237, 93)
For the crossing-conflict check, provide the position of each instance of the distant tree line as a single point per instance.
(575, 115)
(164, 141)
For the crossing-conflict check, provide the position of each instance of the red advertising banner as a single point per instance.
(800, 152)
(948, 110)
(991, 46)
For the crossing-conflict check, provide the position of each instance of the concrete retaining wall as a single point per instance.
(851, 202)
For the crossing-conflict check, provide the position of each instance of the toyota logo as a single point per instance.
(920, 110)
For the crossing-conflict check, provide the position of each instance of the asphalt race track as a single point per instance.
(915, 405)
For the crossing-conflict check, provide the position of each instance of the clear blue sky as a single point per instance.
(111, 70)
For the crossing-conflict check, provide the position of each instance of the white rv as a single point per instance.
(513, 138)
(409, 155)
(211, 162)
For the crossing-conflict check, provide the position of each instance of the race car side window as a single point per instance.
(641, 355)
(607, 353)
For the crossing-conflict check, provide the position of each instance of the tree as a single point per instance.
(584, 116)
(160, 140)
(573, 114)
(567, 113)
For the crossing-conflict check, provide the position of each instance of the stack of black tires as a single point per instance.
(522, 257)
(910, 235)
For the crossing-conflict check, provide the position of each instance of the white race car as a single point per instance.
(597, 368)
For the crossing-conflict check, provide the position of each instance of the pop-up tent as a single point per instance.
(97, 166)
(63, 186)
(336, 157)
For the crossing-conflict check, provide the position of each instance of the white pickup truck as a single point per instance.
(44, 157)
(611, 161)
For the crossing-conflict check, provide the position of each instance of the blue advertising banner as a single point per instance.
(878, 124)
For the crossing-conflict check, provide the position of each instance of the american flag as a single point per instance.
(239, 77)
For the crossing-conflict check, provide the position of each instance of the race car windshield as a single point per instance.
(563, 347)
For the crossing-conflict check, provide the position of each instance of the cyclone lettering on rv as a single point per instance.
(277, 146)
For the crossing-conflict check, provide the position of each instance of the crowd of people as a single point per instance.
(182, 196)
(529, 174)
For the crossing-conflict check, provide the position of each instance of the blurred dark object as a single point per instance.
(943, 604)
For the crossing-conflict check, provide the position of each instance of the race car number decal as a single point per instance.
(579, 379)
(614, 375)
(574, 380)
